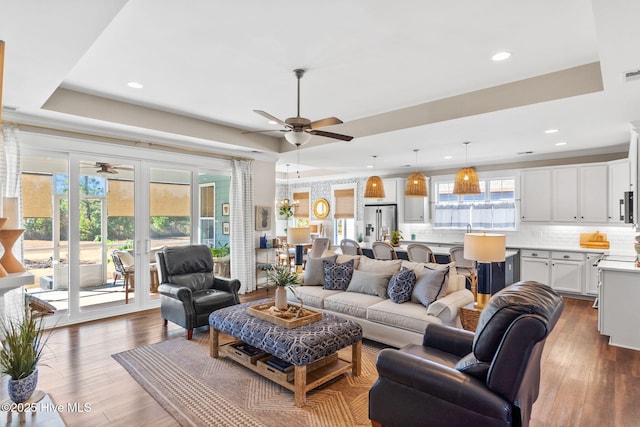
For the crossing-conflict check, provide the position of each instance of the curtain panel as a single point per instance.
(242, 239)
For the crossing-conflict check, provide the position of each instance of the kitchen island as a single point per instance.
(619, 294)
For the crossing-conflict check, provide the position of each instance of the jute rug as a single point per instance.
(198, 390)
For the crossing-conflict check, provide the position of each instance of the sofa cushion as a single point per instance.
(351, 303)
(312, 296)
(345, 258)
(378, 266)
(452, 277)
(337, 276)
(314, 270)
(430, 286)
(401, 285)
(369, 283)
(409, 316)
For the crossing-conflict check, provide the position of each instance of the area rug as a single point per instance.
(198, 390)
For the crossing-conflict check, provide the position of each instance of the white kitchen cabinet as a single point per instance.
(619, 182)
(591, 271)
(567, 271)
(594, 193)
(564, 195)
(415, 209)
(535, 266)
(535, 197)
(618, 314)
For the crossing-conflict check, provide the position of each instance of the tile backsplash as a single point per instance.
(621, 237)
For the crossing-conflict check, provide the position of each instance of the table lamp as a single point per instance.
(484, 249)
(298, 236)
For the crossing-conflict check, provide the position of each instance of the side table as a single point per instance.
(469, 315)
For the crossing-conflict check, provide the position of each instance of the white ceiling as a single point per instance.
(403, 75)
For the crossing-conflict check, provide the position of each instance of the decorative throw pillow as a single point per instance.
(430, 285)
(314, 271)
(451, 280)
(379, 266)
(369, 283)
(401, 285)
(337, 276)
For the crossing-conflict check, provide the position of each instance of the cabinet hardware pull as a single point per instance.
(566, 256)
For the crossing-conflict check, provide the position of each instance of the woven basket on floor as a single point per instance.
(469, 318)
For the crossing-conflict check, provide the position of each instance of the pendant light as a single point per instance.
(466, 179)
(374, 189)
(416, 183)
(286, 206)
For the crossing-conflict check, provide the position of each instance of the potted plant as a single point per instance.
(283, 278)
(21, 351)
(396, 236)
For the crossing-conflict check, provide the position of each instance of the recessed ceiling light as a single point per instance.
(273, 122)
(501, 56)
(561, 143)
(369, 166)
(448, 157)
(551, 131)
(135, 85)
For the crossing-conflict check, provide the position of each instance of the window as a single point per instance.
(302, 211)
(494, 209)
(344, 214)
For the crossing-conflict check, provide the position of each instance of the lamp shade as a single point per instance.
(374, 189)
(466, 182)
(416, 185)
(298, 235)
(483, 247)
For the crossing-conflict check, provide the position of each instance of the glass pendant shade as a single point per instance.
(416, 185)
(466, 182)
(374, 189)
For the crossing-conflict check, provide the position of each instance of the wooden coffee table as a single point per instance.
(312, 348)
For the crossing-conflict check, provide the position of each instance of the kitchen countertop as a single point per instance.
(619, 264)
(437, 249)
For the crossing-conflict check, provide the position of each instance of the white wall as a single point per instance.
(264, 193)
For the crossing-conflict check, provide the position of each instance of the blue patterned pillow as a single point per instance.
(401, 285)
(337, 276)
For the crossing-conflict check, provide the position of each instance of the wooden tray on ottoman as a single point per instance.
(261, 311)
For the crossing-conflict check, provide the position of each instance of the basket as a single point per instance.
(469, 318)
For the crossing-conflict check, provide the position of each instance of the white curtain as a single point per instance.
(10, 161)
(242, 240)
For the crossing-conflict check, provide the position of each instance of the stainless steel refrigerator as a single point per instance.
(379, 220)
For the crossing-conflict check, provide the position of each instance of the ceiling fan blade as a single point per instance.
(270, 117)
(267, 130)
(325, 122)
(331, 135)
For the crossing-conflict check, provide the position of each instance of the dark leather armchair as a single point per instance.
(189, 292)
(458, 378)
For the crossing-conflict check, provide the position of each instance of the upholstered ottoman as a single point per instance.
(301, 346)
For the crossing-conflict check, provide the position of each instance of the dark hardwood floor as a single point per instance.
(584, 381)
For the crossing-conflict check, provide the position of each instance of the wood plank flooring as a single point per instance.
(585, 382)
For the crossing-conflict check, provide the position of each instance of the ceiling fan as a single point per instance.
(109, 168)
(299, 129)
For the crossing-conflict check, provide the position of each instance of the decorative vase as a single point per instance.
(281, 298)
(22, 389)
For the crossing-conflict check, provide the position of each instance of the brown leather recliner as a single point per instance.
(189, 292)
(458, 378)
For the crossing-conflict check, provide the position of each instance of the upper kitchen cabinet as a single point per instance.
(580, 194)
(415, 209)
(535, 198)
(564, 194)
(619, 183)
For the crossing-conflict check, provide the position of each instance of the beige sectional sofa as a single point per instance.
(365, 300)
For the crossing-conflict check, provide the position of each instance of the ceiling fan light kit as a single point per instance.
(466, 181)
(300, 129)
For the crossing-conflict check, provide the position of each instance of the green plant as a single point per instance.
(221, 251)
(283, 276)
(396, 236)
(360, 238)
(23, 345)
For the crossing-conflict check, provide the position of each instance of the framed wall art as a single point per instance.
(263, 217)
